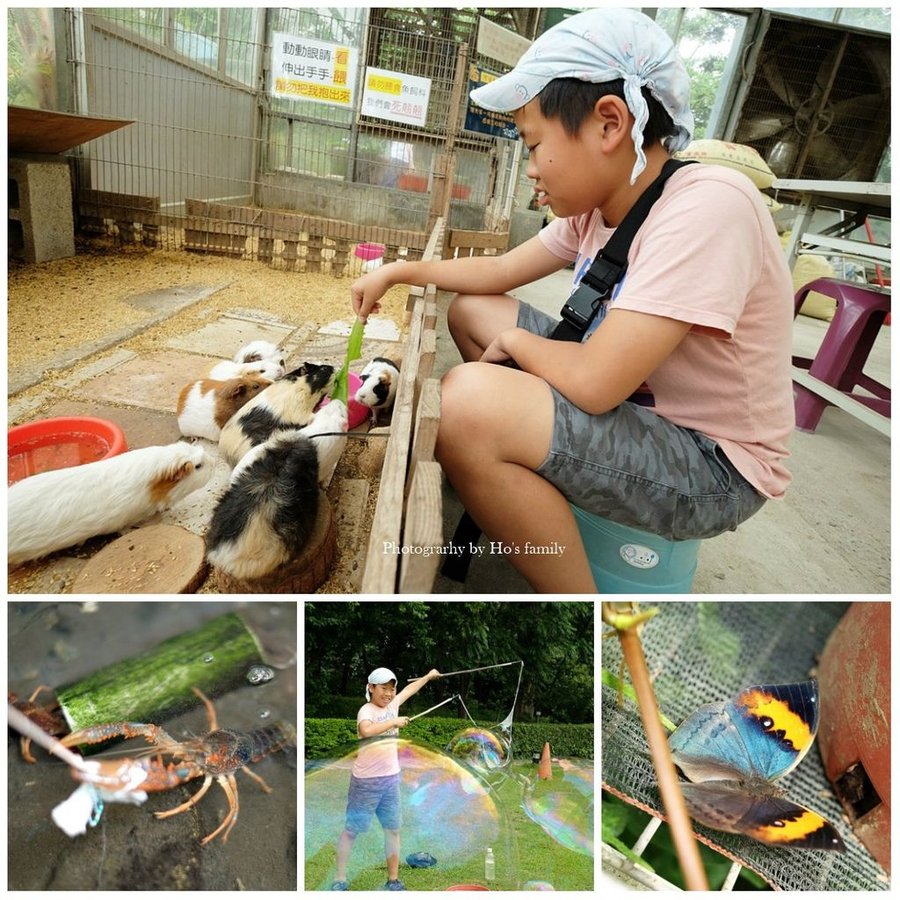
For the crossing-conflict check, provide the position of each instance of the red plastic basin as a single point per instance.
(59, 443)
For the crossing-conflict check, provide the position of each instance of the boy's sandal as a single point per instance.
(340, 886)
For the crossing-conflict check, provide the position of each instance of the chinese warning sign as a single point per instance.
(307, 69)
(477, 119)
(395, 96)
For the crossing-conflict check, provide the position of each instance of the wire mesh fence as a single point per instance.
(268, 124)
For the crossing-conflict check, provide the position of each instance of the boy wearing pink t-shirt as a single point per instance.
(375, 775)
(673, 412)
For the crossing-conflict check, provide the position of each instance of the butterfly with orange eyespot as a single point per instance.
(733, 751)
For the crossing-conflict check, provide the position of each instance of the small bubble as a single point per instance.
(208, 658)
(260, 674)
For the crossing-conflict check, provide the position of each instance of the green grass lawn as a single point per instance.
(524, 851)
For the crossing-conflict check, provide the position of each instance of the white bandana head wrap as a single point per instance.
(603, 45)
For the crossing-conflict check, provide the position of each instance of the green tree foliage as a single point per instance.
(346, 640)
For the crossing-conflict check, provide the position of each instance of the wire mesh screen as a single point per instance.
(215, 133)
(818, 106)
(701, 653)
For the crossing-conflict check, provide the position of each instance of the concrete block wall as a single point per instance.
(41, 225)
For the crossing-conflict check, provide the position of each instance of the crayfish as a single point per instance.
(216, 756)
(48, 718)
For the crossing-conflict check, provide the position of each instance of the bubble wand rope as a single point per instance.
(436, 705)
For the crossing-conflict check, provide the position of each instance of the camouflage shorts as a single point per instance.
(637, 468)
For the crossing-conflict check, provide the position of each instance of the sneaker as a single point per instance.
(340, 886)
(395, 885)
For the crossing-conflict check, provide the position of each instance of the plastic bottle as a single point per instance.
(489, 871)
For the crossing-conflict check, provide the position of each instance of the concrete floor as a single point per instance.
(831, 533)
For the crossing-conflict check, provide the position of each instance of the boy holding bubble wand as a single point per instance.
(375, 776)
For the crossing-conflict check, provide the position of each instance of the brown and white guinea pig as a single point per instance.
(286, 403)
(54, 510)
(379, 385)
(258, 357)
(206, 405)
(267, 515)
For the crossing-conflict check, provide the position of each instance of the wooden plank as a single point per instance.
(428, 418)
(479, 239)
(424, 531)
(858, 410)
(44, 131)
(381, 563)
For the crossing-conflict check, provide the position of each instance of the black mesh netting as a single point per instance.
(704, 652)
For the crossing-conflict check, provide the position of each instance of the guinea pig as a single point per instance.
(379, 385)
(268, 513)
(54, 510)
(260, 357)
(269, 369)
(257, 351)
(327, 431)
(286, 403)
(206, 405)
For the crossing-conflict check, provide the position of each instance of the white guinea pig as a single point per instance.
(54, 510)
(206, 405)
(379, 385)
(257, 357)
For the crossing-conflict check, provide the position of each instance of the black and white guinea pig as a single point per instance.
(379, 385)
(54, 510)
(267, 515)
(286, 403)
(206, 405)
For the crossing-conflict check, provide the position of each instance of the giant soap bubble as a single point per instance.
(447, 812)
(564, 805)
(483, 749)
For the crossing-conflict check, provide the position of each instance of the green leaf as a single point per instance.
(340, 391)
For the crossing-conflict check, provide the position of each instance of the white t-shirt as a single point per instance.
(708, 253)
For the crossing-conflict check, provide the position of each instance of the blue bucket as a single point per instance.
(628, 561)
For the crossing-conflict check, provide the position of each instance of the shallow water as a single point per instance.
(58, 643)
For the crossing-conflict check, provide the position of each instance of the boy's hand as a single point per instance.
(401, 721)
(366, 291)
(433, 674)
(498, 350)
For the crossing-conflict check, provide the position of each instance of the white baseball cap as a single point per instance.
(379, 676)
(601, 45)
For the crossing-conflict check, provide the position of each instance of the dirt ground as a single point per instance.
(67, 317)
(129, 849)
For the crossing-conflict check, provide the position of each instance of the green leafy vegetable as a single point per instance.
(340, 391)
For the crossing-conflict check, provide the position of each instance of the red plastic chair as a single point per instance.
(839, 361)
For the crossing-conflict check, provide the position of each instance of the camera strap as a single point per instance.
(578, 312)
(609, 265)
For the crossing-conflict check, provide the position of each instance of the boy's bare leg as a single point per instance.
(495, 430)
(344, 846)
(392, 853)
(475, 320)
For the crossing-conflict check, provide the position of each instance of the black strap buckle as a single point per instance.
(595, 286)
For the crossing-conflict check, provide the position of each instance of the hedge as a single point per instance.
(328, 738)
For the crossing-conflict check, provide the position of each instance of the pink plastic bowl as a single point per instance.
(369, 252)
(356, 412)
(59, 443)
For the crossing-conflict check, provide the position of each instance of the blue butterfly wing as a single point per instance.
(772, 820)
(777, 724)
(761, 734)
(708, 746)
